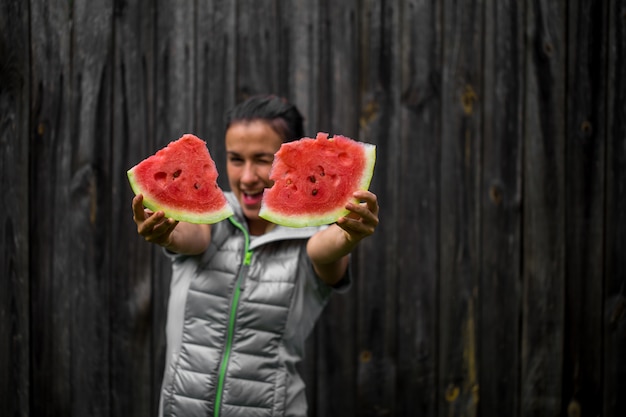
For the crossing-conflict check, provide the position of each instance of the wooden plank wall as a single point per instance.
(496, 283)
(14, 206)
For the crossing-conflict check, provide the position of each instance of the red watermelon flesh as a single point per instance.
(315, 178)
(181, 181)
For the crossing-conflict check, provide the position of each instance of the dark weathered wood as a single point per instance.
(495, 282)
(298, 45)
(88, 209)
(71, 173)
(89, 205)
(543, 261)
(336, 83)
(257, 48)
(501, 216)
(460, 217)
(50, 250)
(175, 74)
(335, 89)
(298, 41)
(15, 90)
(175, 70)
(614, 313)
(377, 291)
(585, 205)
(416, 208)
(216, 66)
(135, 364)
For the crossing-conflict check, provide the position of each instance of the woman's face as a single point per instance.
(250, 149)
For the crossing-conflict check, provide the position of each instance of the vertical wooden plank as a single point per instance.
(298, 43)
(585, 173)
(299, 22)
(614, 314)
(51, 294)
(460, 221)
(258, 52)
(176, 77)
(501, 200)
(71, 69)
(335, 86)
(175, 91)
(89, 205)
(377, 266)
(134, 359)
(14, 208)
(416, 206)
(544, 210)
(216, 47)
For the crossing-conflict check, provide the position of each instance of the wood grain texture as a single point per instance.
(257, 50)
(50, 253)
(614, 313)
(135, 330)
(585, 205)
(376, 263)
(501, 209)
(15, 90)
(415, 207)
(544, 210)
(459, 205)
(494, 284)
(336, 86)
(216, 66)
(89, 205)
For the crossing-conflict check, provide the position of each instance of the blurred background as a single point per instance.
(496, 282)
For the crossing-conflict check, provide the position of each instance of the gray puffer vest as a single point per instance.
(238, 317)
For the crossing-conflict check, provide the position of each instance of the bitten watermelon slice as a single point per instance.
(315, 178)
(181, 180)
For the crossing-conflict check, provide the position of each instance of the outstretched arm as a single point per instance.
(329, 248)
(180, 237)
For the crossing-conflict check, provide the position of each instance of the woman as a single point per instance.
(246, 293)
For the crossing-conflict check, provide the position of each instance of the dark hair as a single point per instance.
(283, 116)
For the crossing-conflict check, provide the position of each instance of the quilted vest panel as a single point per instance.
(254, 381)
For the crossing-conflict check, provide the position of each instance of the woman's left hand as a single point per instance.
(363, 218)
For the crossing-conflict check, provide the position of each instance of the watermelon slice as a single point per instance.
(181, 180)
(315, 178)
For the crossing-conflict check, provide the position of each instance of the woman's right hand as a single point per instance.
(154, 227)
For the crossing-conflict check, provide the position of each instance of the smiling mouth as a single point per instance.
(251, 199)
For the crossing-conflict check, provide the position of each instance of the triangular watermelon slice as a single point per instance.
(315, 178)
(181, 180)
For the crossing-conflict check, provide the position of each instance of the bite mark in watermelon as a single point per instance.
(314, 179)
(181, 181)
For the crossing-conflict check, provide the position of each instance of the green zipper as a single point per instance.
(233, 314)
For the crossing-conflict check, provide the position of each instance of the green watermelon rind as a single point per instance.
(330, 216)
(173, 213)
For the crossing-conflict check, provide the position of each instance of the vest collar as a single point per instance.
(276, 234)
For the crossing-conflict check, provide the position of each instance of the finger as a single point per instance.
(362, 211)
(369, 198)
(138, 212)
(154, 220)
(160, 234)
(147, 227)
(356, 228)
